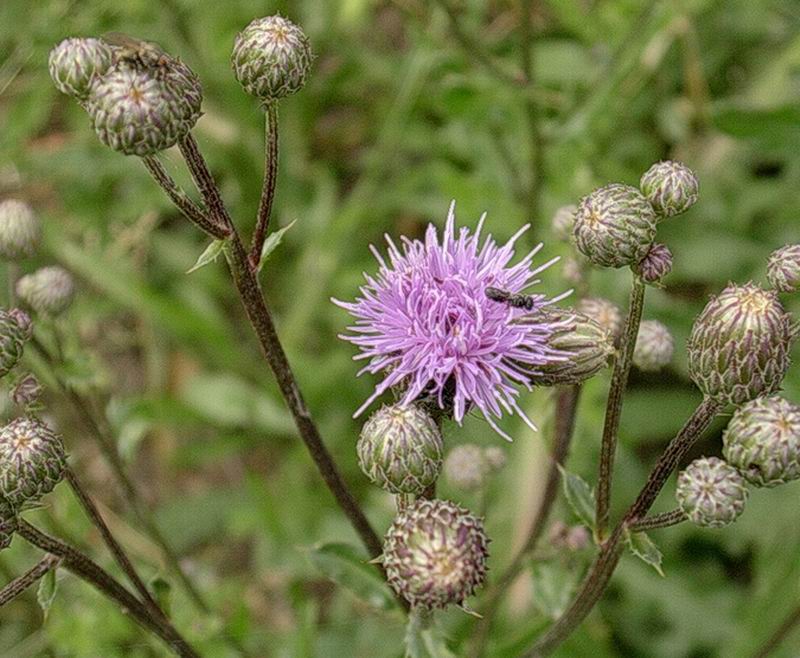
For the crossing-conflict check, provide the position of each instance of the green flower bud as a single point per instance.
(763, 441)
(32, 461)
(8, 524)
(271, 58)
(495, 457)
(400, 449)
(20, 230)
(654, 346)
(563, 222)
(711, 492)
(466, 467)
(585, 348)
(26, 391)
(603, 312)
(14, 333)
(670, 187)
(614, 226)
(435, 554)
(739, 345)
(76, 64)
(144, 110)
(783, 268)
(48, 291)
(656, 265)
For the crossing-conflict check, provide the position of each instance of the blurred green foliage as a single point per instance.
(397, 120)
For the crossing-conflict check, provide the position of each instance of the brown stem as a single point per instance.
(268, 188)
(619, 379)
(663, 520)
(790, 622)
(566, 406)
(19, 585)
(84, 567)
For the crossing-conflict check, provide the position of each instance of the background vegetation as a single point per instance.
(401, 115)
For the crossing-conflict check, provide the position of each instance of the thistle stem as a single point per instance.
(84, 567)
(596, 580)
(268, 188)
(30, 577)
(663, 520)
(566, 406)
(619, 379)
(790, 622)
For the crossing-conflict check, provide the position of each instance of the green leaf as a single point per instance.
(272, 242)
(162, 591)
(210, 255)
(774, 124)
(579, 496)
(46, 593)
(643, 547)
(553, 584)
(423, 639)
(348, 567)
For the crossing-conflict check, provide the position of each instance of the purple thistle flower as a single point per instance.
(425, 322)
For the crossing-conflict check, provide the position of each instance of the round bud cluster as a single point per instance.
(435, 554)
(466, 467)
(76, 64)
(603, 312)
(20, 230)
(32, 461)
(739, 345)
(656, 265)
(271, 58)
(15, 331)
(711, 492)
(654, 346)
(400, 449)
(670, 187)
(614, 226)
(583, 346)
(763, 441)
(139, 111)
(8, 524)
(563, 222)
(48, 291)
(27, 391)
(783, 268)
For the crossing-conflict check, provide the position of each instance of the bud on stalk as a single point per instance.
(656, 265)
(15, 330)
(20, 230)
(670, 187)
(49, 291)
(76, 64)
(783, 268)
(654, 346)
(711, 492)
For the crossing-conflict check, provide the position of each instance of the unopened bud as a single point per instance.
(466, 467)
(76, 64)
(27, 391)
(783, 268)
(656, 265)
(603, 312)
(20, 230)
(670, 187)
(654, 346)
(711, 492)
(48, 291)
(14, 333)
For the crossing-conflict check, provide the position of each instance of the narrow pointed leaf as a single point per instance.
(46, 593)
(643, 547)
(271, 243)
(579, 496)
(209, 255)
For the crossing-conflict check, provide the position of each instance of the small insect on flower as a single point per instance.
(137, 52)
(525, 302)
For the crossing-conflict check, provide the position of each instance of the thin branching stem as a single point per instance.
(619, 380)
(663, 520)
(596, 580)
(268, 188)
(30, 577)
(789, 623)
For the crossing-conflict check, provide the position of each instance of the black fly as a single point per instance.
(136, 52)
(518, 300)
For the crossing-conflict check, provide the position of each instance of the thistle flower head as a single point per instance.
(739, 345)
(466, 467)
(141, 110)
(48, 291)
(654, 346)
(614, 226)
(762, 440)
(32, 461)
(14, 333)
(76, 64)
(20, 230)
(670, 187)
(8, 524)
(563, 222)
(271, 58)
(400, 449)
(435, 554)
(656, 265)
(604, 312)
(711, 492)
(783, 268)
(425, 322)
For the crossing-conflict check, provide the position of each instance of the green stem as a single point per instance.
(619, 379)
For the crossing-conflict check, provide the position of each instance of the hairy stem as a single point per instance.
(566, 406)
(596, 580)
(85, 568)
(789, 623)
(663, 520)
(268, 189)
(30, 577)
(619, 379)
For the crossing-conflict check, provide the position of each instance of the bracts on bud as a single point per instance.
(26, 392)
(435, 554)
(654, 346)
(76, 64)
(15, 330)
(603, 312)
(670, 187)
(400, 449)
(656, 265)
(762, 440)
(49, 291)
(783, 268)
(711, 492)
(739, 345)
(20, 230)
